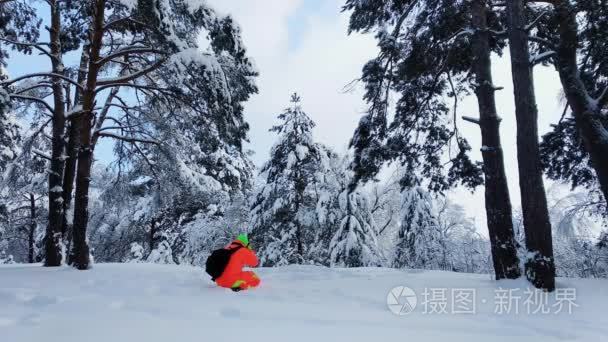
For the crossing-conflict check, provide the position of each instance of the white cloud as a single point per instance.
(326, 59)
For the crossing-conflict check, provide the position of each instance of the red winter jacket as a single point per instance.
(239, 259)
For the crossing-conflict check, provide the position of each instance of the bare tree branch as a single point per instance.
(471, 120)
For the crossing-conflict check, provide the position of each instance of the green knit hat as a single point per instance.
(243, 238)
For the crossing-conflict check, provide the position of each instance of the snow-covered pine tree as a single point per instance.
(17, 20)
(570, 34)
(432, 51)
(9, 131)
(418, 238)
(188, 190)
(355, 244)
(331, 179)
(584, 79)
(24, 185)
(284, 218)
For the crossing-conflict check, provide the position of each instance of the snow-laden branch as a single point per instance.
(602, 100)
(35, 86)
(462, 33)
(37, 46)
(41, 74)
(542, 41)
(41, 154)
(74, 113)
(118, 127)
(126, 52)
(541, 57)
(128, 139)
(498, 34)
(33, 99)
(132, 85)
(535, 21)
(120, 20)
(130, 77)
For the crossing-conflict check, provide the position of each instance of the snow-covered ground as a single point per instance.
(148, 303)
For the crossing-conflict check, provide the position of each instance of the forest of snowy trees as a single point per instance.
(167, 82)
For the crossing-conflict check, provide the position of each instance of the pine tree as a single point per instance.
(418, 237)
(24, 186)
(573, 37)
(540, 267)
(9, 132)
(284, 209)
(331, 179)
(355, 243)
(432, 51)
(497, 199)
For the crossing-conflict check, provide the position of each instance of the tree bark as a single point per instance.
(152, 239)
(587, 113)
(540, 266)
(52, 240)
(69, 174)
(32, 231)
(497, 199)
(80, 253)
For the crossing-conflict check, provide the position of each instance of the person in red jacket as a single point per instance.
(233, 276)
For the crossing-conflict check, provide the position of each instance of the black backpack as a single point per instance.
(218, 260)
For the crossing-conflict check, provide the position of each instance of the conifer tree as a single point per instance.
(284, 209)
(355, 243)
(432, 51)
(540, 265)
(418, 236)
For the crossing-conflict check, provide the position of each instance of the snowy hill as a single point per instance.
(143, 302)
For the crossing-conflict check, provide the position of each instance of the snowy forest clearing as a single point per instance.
(145, 302)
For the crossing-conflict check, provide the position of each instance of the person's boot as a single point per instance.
(236, 289)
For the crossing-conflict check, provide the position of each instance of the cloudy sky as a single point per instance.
(302, 46)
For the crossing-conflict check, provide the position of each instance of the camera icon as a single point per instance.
(401, 300)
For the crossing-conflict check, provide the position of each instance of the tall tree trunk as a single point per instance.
(80, 252)
(497, 199)
(540, 267)
(587, 113)
(32, 231)
(52, 240)
(72, 148)
(152, 238)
